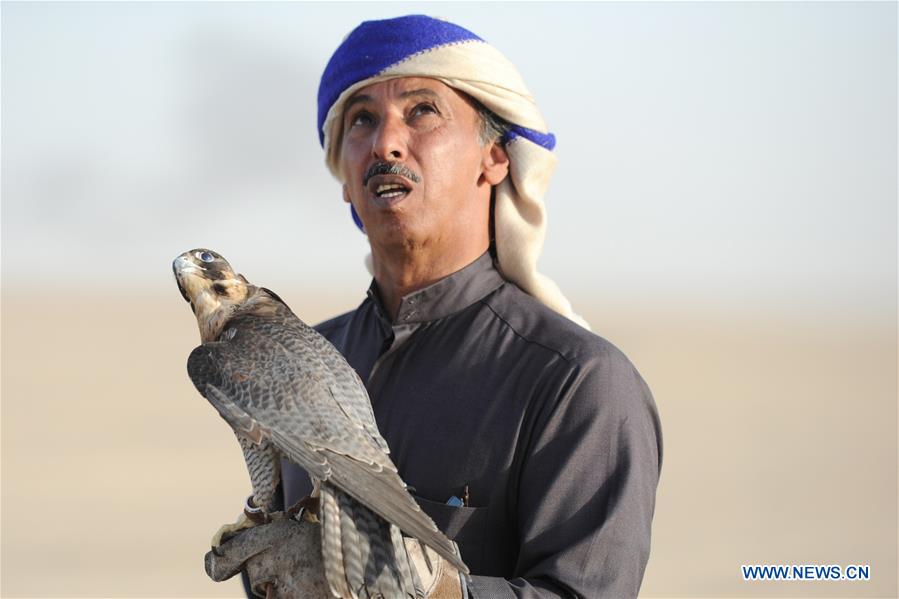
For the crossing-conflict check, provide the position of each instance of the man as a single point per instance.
(531, 442)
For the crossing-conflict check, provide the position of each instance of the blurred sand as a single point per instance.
(780, 447)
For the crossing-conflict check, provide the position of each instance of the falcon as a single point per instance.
(287, 392)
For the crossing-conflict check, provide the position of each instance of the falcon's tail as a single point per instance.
(364, 555)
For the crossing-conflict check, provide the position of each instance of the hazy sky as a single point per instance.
(707, 151)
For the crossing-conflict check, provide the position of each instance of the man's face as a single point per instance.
(437, 193)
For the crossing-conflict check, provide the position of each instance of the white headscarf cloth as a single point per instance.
(479, 70)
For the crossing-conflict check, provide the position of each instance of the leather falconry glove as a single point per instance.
(283, 560)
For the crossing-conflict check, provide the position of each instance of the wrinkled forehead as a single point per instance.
(403, 85)
(404, 89)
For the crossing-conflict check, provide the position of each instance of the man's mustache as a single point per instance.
(382, 167)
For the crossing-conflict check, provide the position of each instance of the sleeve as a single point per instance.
(586, 489)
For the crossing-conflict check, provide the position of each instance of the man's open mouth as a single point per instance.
(390, 190)
(389, 186)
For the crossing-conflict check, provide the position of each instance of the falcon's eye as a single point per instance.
(205, 256)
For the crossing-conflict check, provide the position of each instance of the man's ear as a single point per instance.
(495, 165)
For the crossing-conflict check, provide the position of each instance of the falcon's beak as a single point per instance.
(183, 266)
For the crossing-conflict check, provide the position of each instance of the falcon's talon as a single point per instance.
(243, 523)
(306, 509)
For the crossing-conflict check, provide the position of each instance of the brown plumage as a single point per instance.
(286, 391)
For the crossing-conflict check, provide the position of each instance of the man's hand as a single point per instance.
(284, 560)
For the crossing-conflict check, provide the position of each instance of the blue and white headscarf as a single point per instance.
(420, 46)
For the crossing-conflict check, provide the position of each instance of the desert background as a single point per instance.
(724, 211)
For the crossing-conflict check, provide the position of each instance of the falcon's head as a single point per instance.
(212, 288)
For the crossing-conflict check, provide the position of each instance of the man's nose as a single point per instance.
(390, 142)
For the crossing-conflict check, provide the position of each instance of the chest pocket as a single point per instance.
(467, 526)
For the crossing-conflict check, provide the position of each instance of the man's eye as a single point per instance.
(361, 119)
(424, 108)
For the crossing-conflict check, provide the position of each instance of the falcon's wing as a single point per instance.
(270, 382)
(349, 388)
(209, 369)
